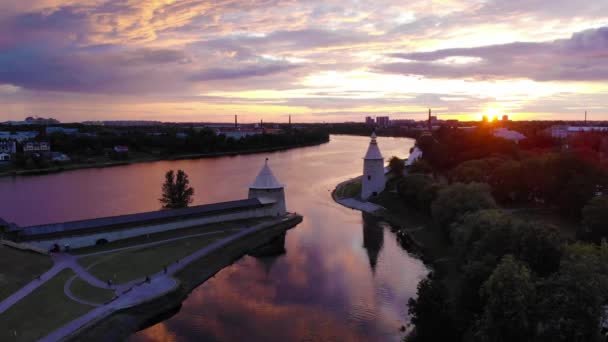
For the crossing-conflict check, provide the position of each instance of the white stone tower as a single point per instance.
(266, 188)
(373, 171)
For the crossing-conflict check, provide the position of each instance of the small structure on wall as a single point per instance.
(266, 199)
(373, 181)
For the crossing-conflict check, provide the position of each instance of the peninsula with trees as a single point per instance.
(514, 234)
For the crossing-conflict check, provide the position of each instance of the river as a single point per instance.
(341, 278)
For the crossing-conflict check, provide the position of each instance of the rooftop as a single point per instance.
(139, 218)
(373, 151)
(265, 179)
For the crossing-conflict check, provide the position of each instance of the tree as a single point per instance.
(570, 306)
(595, 219)
(418, 190)
(457, 200)
(177, 192)
(540, 246)
(397, 166)
(430, 312)
(509, 294)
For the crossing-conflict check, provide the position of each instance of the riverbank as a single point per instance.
(414, 230)
(122, 323)
(147, 159)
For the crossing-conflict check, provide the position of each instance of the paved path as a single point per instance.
(160, 283)
(58, 266)
(353, 203)
(62, 261)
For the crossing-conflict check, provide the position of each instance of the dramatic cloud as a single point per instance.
(583, 57)
(321, 60)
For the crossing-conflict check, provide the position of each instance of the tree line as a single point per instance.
(504, 278)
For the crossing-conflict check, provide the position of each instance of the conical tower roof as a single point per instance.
(265, 179)
(373, 151)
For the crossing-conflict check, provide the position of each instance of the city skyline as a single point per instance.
(318, 61)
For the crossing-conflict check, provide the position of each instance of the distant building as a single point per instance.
(383, 121)
(59, 157)
(373, 181)
(18, 136)
(484, 119)
(61, 130)
(505, 118)
(369, 121)
(8, 146)
(121, 149)
(5, 156)
(36, 146)
(563, 131)
(240, 133)
(509, 134)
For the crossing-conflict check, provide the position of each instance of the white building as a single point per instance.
(508, 134)
(36, 146)
(562, 131)
(373, 181)
(8, 146)
(4, 157)
(414, 155)
(267, 189)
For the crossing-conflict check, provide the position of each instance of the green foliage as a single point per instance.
(457, 200)
(418, 190)
(176, 191)
(595, 219)
(397, 166)
(509, 294)
(570, 305)
(420, 166)
(430, 312)
(478, 170)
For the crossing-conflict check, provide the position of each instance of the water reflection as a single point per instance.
(340, 279)
(373, 239)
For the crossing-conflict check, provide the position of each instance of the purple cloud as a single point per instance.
(217, 74)
(582, 57)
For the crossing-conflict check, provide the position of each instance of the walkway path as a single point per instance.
(140, 291)
(62, 261)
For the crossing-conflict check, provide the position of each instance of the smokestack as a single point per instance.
(429, 122)
(236, 125)
(289, 120)
(585, 117)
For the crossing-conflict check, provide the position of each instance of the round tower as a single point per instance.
(373, 170)
(266, 188)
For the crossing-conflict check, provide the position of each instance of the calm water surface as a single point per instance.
(341, 279)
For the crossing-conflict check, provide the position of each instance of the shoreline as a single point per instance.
(122, 323)
(191, 156)
(405, 238)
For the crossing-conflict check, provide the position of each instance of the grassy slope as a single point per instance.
(129, 265)
(41, 312)
(83, 290)
(17, 268)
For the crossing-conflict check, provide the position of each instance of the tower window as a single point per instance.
(369, 177)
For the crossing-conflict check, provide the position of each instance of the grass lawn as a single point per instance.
(131, 264)
(18, 268)
(41, 312)
(352, 189)
(85, 291)
(134, 241)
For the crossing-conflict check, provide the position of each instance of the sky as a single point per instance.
(316, 60)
